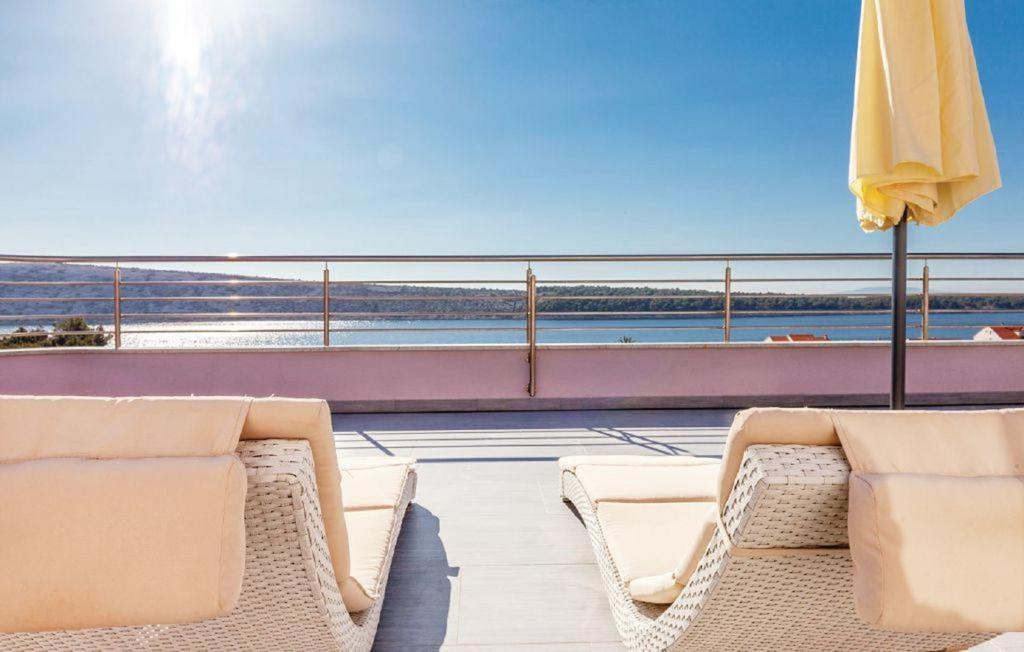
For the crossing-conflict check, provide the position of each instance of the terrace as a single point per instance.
(488, 420)
(511, 452)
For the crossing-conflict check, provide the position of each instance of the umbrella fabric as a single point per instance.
(921, 138)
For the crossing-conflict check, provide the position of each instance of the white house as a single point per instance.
(997, 333)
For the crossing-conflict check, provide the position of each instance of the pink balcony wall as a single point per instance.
(570, 376)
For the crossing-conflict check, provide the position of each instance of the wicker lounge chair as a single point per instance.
(290, 598)
(771, 569)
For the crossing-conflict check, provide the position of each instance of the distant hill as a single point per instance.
(198, 292)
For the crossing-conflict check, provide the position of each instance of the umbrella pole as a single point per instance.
(897, 393)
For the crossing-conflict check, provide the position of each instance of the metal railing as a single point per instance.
(659, 305)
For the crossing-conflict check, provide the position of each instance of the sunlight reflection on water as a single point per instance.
(503, 331)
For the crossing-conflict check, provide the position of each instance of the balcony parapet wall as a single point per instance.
(447, 378)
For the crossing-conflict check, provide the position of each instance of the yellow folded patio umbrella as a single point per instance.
(921, 138)
(921, 146)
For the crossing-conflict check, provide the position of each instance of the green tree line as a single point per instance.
(73, 331)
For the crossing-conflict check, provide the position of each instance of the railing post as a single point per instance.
(727, 312)
(925, 301)
(327, 305)
(531, 329)
(117, 306)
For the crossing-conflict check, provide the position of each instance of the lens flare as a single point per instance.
(202, 52)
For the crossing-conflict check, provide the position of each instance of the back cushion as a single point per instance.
(119, 512)
(962, 443)
(33, 427)
(106, 543)
(938, 553)
(936, 518)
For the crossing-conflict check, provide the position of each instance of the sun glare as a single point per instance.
(182, 42)
(201, 54)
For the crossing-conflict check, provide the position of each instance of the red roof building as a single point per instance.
(1000, 333)
(797, 337)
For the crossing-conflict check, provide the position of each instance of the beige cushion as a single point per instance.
(657, 515)
(782, 426)
(108, 520)
(369, 534)
(936, 520)
(106, 543)
(679, 478)
(34, 427)
(655, 589)
(366, 484)
(938, 553)
(655, 539)
(373, 488)
(373, 482)
(963, 443)
(571, 462)
(309, 419)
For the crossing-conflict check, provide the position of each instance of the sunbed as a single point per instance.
(311, 575)
(752, 553)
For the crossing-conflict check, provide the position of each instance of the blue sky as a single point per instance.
(456, 127)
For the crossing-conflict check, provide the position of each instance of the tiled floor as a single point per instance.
(489, 557)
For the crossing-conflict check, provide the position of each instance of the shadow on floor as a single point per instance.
(626, 437)
(376, 444)
(418, 595)
(536, 419)
(501, 437)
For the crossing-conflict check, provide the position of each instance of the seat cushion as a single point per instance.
(369, 533)
(695, 481)
(655, 539)
(373, 488)
(571, 462)
(370, 483)
(657, 515)
(656, 589)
